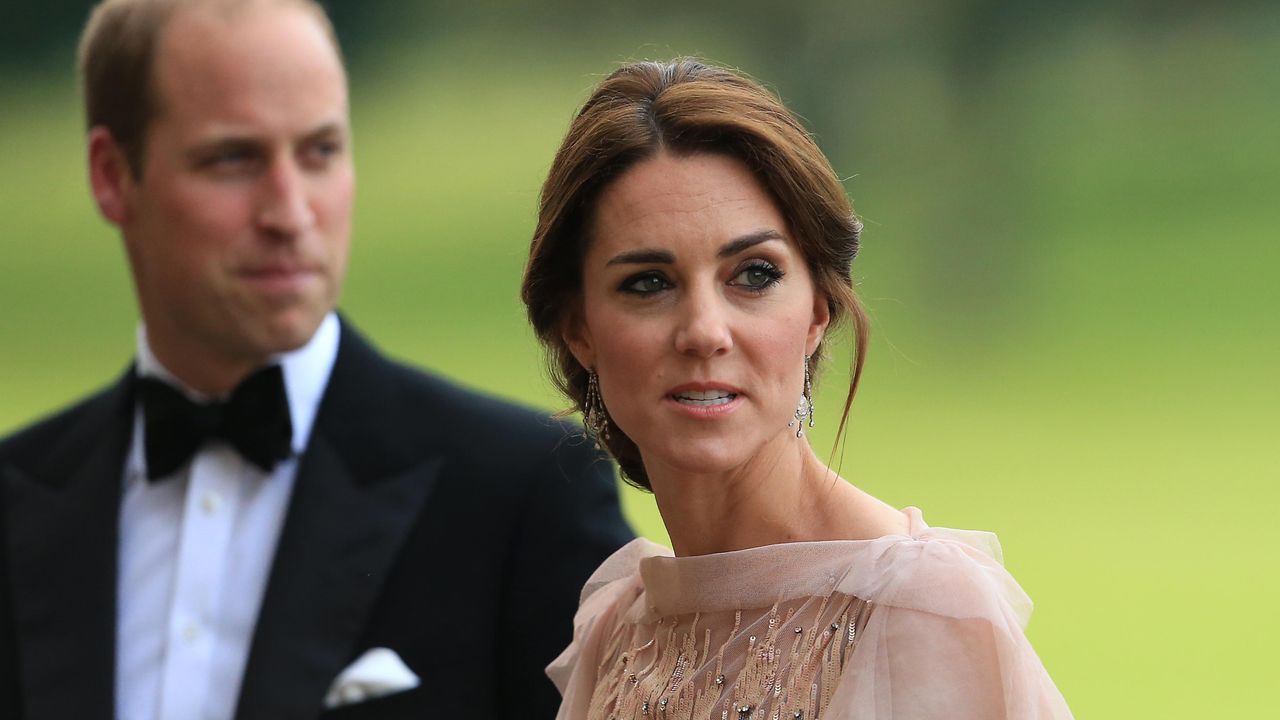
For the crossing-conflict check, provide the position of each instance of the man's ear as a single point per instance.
(110, 178)
(818, 325)
(574, 332)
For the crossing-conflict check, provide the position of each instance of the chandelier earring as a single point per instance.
(804, 410)
(594, 415)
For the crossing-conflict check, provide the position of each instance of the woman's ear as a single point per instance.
(110, 177)
(576, 334)
(818, 325)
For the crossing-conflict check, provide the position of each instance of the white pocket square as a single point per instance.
(378, 672)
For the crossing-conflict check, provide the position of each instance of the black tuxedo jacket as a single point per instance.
(452, 528)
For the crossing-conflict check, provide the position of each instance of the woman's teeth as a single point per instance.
(705, 398)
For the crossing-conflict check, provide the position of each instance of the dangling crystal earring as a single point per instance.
(595, 416)
(804, 411)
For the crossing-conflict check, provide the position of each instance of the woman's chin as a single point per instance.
(697, 457)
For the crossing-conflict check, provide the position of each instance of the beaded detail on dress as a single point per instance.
(709, 666)
(713, 637)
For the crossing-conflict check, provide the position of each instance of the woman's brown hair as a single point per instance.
(683, 107)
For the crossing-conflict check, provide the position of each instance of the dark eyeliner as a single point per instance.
(771, 271)
(628, 285)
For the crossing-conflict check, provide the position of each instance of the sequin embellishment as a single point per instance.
(784, 663)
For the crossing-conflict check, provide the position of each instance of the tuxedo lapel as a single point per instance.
(356, 497)
(62, 516)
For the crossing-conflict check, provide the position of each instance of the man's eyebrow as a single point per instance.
(242, 139)
(642, 257)
(330, 128)
(224, 142)
(734, 247)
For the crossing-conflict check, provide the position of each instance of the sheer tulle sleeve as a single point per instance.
(939, 633)
(945, 639)
(604, 595)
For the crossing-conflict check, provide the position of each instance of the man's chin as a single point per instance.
(285, 333)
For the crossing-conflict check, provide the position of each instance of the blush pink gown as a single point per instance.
(911, 627)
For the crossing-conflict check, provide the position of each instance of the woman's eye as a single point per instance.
(757, 277)
(646, 284)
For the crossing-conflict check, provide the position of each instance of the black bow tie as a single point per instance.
(254, 420)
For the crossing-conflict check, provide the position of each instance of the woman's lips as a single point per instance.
(703, 400)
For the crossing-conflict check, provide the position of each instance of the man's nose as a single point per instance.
(284, 206)
(704, 324)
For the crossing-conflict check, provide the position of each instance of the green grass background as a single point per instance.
(1070, 260)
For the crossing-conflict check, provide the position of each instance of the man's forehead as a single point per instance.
(228, 11)
(272, 64)
(205, 35)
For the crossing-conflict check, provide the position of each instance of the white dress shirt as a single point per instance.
(195, 553)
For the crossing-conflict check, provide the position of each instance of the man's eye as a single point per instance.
(757, 277)
(322, 152)
(646, 284)
(229, 159)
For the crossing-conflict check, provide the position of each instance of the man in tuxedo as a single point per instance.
(264, 517)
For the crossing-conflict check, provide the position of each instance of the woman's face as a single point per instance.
(698, 310)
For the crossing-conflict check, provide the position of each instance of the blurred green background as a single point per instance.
(1070, 259)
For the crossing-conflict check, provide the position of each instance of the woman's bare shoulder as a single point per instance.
(867, 517)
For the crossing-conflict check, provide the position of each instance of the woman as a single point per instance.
(693, 248)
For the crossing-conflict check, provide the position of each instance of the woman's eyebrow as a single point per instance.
(663, 257)
(643, 257)
(733, 247)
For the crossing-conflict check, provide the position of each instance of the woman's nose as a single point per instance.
(703, 330)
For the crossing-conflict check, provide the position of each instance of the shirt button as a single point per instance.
(191, 632)
(210, 503)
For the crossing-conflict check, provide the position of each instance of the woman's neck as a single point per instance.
(783, 494)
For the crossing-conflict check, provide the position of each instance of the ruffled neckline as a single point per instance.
(761, 576)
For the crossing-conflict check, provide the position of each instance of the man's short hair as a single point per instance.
(116, 58)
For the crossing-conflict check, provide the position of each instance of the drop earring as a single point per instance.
(804, 410)
(594, 415)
